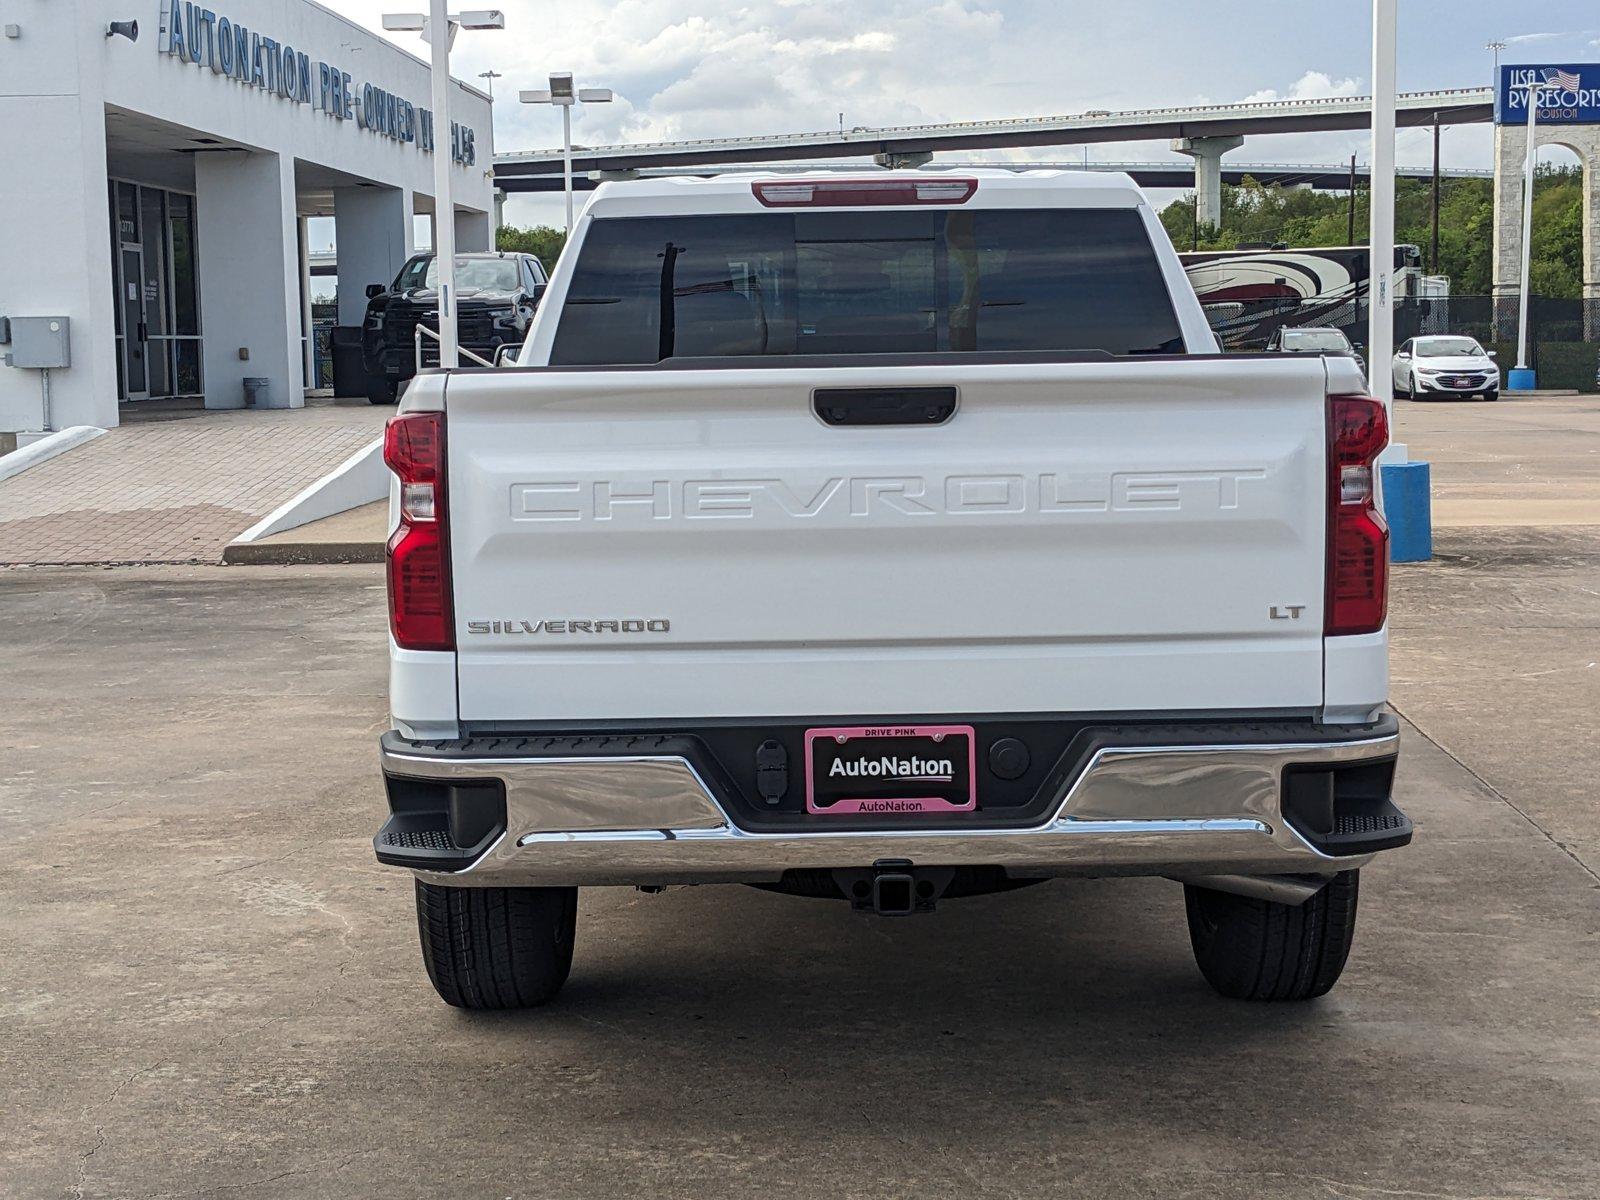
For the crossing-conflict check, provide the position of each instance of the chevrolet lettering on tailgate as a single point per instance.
(598, 499)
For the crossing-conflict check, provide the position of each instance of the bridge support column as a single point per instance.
(900, 160)
(1207, 153)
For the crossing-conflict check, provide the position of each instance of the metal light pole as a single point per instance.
(491, 76)
(1380, 236)
(1496, 47)
(1532, 88)
(1433, 254)
(562, 94)
(438, 29)
(444, 208)
(1350, 237)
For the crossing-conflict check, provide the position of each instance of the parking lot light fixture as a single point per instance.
(439, 17)
(564, 95)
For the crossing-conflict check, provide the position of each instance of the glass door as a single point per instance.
(185, 291)
(157, 292)
(132, 330)
(153, 289)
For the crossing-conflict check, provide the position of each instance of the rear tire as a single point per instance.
(1252, 949)
(380, 390)
(493, 948)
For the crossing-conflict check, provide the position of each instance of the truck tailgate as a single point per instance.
(1106, 536)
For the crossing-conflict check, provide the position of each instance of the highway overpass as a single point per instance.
(526, 170)
(1324, 176)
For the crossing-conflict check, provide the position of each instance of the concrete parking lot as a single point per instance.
(210, 989)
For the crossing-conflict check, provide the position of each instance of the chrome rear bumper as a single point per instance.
(1179, 810)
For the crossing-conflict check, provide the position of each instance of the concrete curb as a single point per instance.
(46, 448)
(357, 535)
(258, 554)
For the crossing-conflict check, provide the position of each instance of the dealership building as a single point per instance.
(158, 163)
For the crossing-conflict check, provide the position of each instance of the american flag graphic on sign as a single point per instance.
(1566, 80)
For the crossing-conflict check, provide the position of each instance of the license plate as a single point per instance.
(891, 769)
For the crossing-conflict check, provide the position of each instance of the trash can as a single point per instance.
(1408, 509)
(349, 377)
(256, 391)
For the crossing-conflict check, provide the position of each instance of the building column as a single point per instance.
(1207, 153)
(1510, 149)
(371, 240)
(473, 231)
(1510, 154)
(308, 324)
(499, 209)
(249, 277)
(55, 248)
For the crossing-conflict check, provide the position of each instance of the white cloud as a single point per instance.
(1550, 37)
(1313, 85)
(688, 69)
(683, 69)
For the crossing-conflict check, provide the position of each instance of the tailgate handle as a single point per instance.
(884, 406)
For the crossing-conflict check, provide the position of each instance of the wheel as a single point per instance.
(1404, 393)
(1411, 391)
(380, 389)
(1492, 396)
(488, 948)
(1252, 949)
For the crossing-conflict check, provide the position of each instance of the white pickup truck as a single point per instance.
(890, 539)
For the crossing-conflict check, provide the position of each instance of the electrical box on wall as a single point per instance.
(43, 343)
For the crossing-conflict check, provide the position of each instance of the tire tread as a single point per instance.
(1251, 949)
(496, 948)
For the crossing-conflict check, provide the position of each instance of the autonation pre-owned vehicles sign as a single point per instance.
(1567, 94)
(200, 36)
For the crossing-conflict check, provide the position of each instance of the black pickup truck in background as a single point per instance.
(496, 294)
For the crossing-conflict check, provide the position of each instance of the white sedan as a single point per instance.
(1441, 366)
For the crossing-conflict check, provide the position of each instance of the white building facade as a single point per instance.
(154, 191)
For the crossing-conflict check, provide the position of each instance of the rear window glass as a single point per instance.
(1314, 339)
(651, 288)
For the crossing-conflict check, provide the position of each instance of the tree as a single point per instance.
(539, 240)
(1253, 212)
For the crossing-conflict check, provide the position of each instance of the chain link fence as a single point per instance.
(1563, 335)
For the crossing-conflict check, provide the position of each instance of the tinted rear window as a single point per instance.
(651, 288)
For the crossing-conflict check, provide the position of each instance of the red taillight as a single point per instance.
(856, 193)
(420, 616)
(1358, 539)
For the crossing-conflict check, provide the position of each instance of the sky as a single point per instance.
(682, 68)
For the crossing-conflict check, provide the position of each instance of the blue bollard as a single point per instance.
(1408, 507)
(1520, 379)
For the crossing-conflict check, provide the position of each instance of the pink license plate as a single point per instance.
(891, 769)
